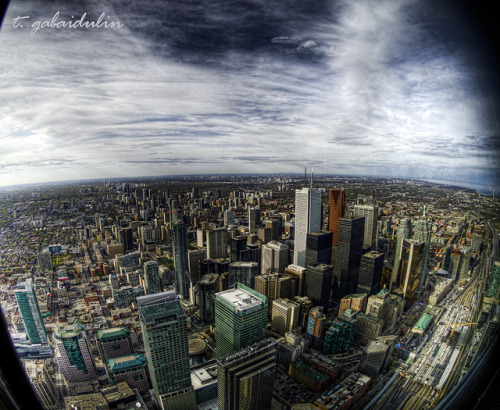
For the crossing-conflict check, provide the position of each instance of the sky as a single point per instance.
(392, 88)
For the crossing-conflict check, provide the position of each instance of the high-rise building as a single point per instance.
(246, 378)
(126, 239)
(308, 218)
(336, 204)
(229, 217)
(404, 232)
(114, 342)
(274, 225)
(181, 263)
(370, 213)
(165, 333)
(410, 269)
(240, 319)
(130, 369)
(238, 244)
(244, 272)
(30, 312)
(423, 234)
(216, 243)
(315, 323)
(38, 374)
(252, 220)
(194, 258)
(274, 257)
(318, 284)
(354, 302)
(370, 272)
(74, 356)
(298, 275)
(349, 250)
(152, 278)
(319, 247)
(274, 286)
(208, 286)
(305, 305)
(285, 315)
(339, 337)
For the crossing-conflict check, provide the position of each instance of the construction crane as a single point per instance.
(459, 324)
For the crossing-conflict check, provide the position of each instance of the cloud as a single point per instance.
(210, 87)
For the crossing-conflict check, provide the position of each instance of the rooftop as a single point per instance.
(126, 362)
(239, 298)
(112, 333)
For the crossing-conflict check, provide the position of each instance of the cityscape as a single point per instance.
(262, 291)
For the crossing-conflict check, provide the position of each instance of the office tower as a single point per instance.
(423, 234)
(370, 272)
(285, 315)
(126, 239)
(216, 243)
(410, 269)
(130, 369)
(30, 312)
(208, 286)
(240, 319)
(274, 257)
(44, 261)
(206, 266)
(370, 213)
(336, 204)
(340, 335)
(349, 250)
(356, 302)
(318, 284)
(252, 220)
(194, 258)
(315, 325)
(246, 378)
(377, 355)
(298, 275)
(274, 226)
(368, 327)
(74, 356)
(244, 272)
(273, 286)
(238, 244)
(229, 217)
(319, 247)
(404, 232)
(305, 305)
(38, 374)
(308, 218)
(181, 263)
(165, 333)
(114, 342)
(152, 278)
(250, 254)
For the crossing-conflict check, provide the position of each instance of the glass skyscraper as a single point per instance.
(165, 333)
(30, 312)
(152, 278)
(181, 261)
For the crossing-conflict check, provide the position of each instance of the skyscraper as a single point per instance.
(274, 257)
(74, 356)
(370, 272)
(404, 232)
(336, 204)
(240, 319)
(152, 278)
(207, 288)
(350, 247)
(318, 284)
(285, 315)
(246, 378)
(252, 220)
(298, 275)
(30, 312)
(319, 247)
(244, 272)
(410, 268)
(307, 219)
(181, 263)
(165, 333)
(423, 234)
(370, 213)
(216, 243)
(274, 286)
(114, 342)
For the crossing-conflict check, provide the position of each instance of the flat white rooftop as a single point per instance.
(240, 298)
